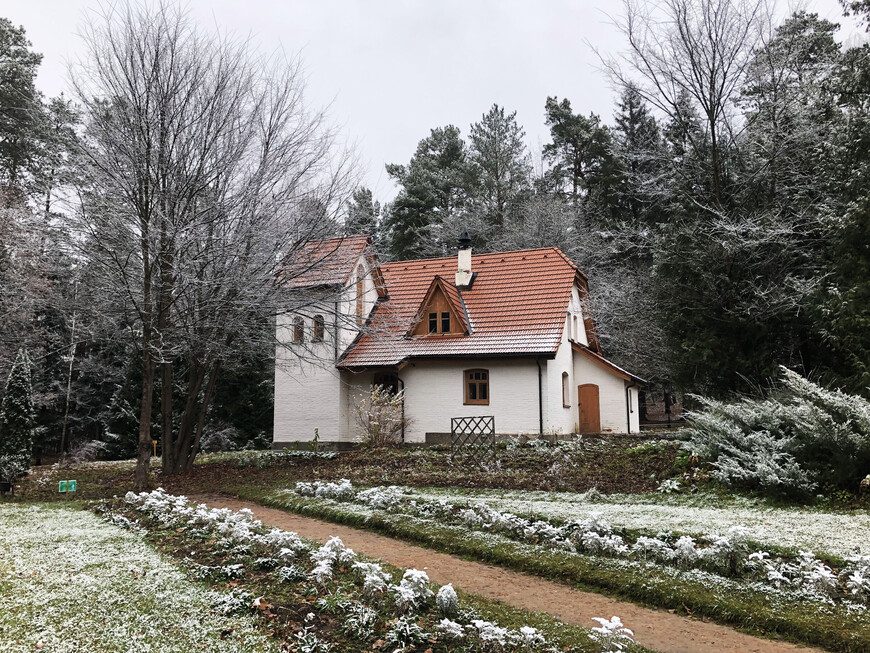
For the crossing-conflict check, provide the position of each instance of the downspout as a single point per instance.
(402, 390)
(335, 329)
(540, 399)
(628, 410)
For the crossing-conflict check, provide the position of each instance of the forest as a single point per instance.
(722, 215)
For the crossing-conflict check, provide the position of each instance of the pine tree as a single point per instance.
(363, 214)
(16, 418)
(436, 186)
(498, 150)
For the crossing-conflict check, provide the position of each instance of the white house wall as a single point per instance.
(560, 420)
(309, 391)
(611, 393)
(305, 393)
(434, 393)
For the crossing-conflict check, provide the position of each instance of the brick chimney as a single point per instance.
(464, 275)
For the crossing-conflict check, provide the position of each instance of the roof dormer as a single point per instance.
(442, 311)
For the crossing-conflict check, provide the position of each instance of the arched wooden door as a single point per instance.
(590, 412)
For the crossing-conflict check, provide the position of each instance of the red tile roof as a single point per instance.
(516, 306)
(325, 262)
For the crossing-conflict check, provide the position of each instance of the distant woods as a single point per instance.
(723, 217)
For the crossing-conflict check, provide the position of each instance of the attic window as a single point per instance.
(437, 315)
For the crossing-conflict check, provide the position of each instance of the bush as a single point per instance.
(16, 420)
(798, 438)
(379, 417)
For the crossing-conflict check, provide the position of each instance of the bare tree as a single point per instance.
(696, 49)
(207, 172)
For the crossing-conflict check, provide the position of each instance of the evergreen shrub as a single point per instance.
(799, 438)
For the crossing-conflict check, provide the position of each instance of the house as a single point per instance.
(505, 334)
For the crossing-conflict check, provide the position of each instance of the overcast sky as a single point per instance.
(393, 69)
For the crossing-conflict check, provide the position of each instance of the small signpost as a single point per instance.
(66, 486)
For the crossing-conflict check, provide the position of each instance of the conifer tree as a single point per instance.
(16, 418)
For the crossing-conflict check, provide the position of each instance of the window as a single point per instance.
(576, 330)
(477, 387)
(298, 330)
(437, 316)
(566, 391)
(360, 273)
(388, 380)
(317, 336)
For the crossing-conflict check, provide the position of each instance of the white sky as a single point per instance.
(394, 69)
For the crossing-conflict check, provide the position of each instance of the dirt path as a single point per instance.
(655, 629)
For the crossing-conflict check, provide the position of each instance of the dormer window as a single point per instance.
(443, 322)
(439, 315)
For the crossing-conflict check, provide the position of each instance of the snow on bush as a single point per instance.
(413, 592)
(447, 601)
(342, 490)
(612, 634)
(411, 595)
(789, 443)
(727, 554)
(375, 579)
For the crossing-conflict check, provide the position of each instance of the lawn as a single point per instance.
(824, 532)
(561, 484)
(71, 582)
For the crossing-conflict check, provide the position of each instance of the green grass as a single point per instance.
(728, 602)
(70, 582)
(289, 602)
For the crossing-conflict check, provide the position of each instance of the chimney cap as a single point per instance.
(464, 240)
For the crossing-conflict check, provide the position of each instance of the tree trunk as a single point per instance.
(185, 436)
(166, 426)
(143, 459)
(203, 412)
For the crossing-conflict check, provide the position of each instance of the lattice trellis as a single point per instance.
(472, 440)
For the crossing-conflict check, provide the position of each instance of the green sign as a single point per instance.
(66, 486)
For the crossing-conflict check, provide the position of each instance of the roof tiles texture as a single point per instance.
(516, 306)
(325, 262)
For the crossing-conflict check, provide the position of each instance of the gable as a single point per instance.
(440, 302)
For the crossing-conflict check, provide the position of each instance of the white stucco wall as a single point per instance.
(560, 420)
(611, 393)
(309, 391)
(434, 393)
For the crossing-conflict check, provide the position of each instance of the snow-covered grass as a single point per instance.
(71, 582)
(825, 533)
(799, 610)
(730, 554)
(362, 597)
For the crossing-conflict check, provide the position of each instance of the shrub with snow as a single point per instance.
(789, 443)
(612, 634)
(447, 601)
(413, 592)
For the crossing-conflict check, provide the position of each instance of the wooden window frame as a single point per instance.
(468, 379)
(319, 329)
(445, 322)
(566, 391)
(298, 331)
(433, 322)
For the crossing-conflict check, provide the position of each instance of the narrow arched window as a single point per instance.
(317, 335)
(566, 391)
(477, 387)
(360, 273)
(298, 330)
(576, 330)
